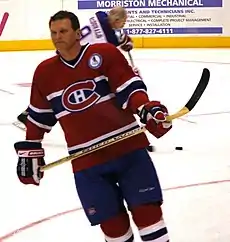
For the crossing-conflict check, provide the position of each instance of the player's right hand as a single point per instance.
(30, 158)
(127, 44)
(154, 114)
(136, 71)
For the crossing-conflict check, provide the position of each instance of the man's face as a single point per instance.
(63, 35)
(119, 24)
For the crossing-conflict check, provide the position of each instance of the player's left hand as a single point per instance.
(153, 114)
(30, 158)
(127, 44)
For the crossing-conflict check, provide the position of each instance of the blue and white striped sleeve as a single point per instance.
(41, 117)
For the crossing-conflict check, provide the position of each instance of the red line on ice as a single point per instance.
(33, 224)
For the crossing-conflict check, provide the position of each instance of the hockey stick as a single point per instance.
(188, 107)
(131, 59)
(95, 147)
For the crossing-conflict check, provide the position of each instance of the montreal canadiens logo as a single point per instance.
(95, 61)
(79, 96)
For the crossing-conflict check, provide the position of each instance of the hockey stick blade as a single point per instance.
(204, 80)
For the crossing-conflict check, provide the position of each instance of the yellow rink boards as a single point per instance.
(139, 42)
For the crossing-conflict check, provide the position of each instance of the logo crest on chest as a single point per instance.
(80, 96)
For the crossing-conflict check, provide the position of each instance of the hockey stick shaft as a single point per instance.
(95, 147)
(131, 59)
(188, 107)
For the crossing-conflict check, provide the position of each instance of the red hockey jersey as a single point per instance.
(92, 99)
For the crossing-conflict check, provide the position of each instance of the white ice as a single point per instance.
(196, 213)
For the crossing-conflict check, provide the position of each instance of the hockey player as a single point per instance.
(93, 93)
(102, 27)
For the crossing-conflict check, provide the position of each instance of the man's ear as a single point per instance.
(78, 34)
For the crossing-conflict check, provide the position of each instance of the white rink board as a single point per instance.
(28, 20)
